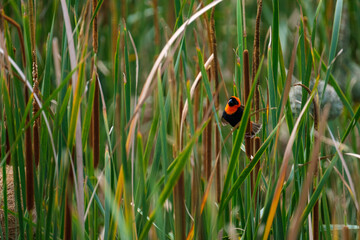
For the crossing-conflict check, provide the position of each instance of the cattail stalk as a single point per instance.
(114, 27)
(255, 66)
(36, 108)
(256, 55)
(208, 129)
(123, 9)
(95, 118)
(246, 94)
(179, 189)
(196, 175)
(36, 89)
(36, 125)
(156, 23)
(248, 142)
(346, 233)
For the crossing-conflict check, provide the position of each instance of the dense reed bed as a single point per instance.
(111, 112)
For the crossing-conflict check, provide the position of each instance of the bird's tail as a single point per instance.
(255, 129)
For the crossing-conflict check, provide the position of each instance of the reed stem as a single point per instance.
(248, 145)
(95, 118)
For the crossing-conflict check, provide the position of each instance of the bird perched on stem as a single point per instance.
(233, 113)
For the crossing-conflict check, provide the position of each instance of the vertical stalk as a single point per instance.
(156, 24)
(196, 176)
(248, 147)
(196, 101)
(35, 82)
(256, 54)
(257, 146)
(346, 233)
(358, 221)
(95, 120)
(67, 223)
(208, 142)
(255, 66)
(316, 206)
(114, 27)
(8, 159)
(123, 9)
(208, 129)
(78, 144)
(215, 75)
(29, 165)
(36, 125)
(179, 188)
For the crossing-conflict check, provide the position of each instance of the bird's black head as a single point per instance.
(232, 102)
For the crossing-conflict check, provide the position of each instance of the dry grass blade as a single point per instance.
(338, 144)
(136, 68)
(341, 178)
(351, 183)
(353, 155)
(146, 89)
(78, 143)
(56, 60)
(296, 221)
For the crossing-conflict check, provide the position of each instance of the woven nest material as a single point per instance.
(13, 225)
(330, 97)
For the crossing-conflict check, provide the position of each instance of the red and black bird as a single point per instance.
(233, 113)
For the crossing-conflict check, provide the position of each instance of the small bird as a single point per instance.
(233, 113)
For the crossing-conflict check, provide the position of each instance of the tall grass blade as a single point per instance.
(334, 40)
